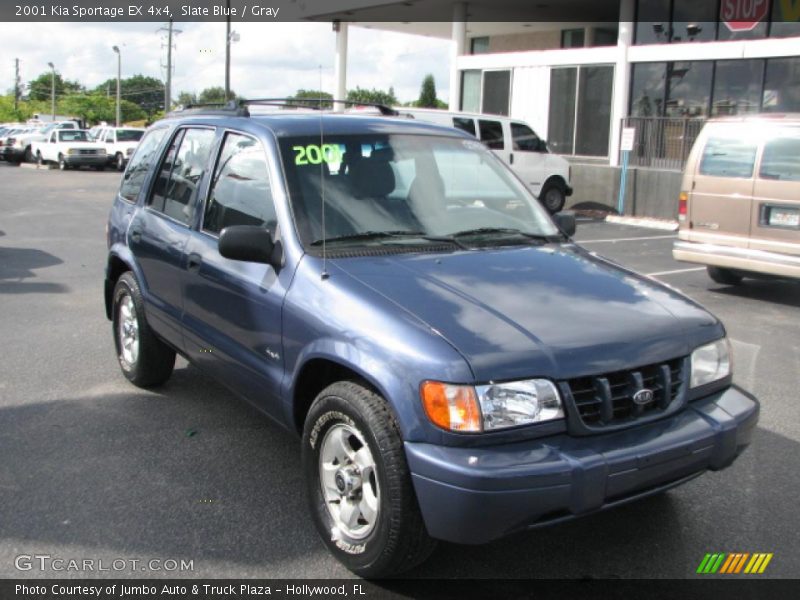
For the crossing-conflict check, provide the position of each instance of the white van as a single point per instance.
(515, 143)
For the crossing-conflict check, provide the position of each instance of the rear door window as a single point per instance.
(181, 173)
(781, 159)
(728, 157)
(491, 134)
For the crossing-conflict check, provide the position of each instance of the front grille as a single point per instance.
(608, 399)
(87, 151)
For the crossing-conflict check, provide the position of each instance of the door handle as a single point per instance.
(194, 260)
(136, 235)
(511, 158)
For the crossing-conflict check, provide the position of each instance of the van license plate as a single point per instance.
(784, 217)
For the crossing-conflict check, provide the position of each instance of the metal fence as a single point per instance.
(662, 142)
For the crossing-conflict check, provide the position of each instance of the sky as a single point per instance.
(269, 60)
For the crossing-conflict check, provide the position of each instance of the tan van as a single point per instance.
(739, 208)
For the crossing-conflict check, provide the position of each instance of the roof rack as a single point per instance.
(316, 103)
(238, 108)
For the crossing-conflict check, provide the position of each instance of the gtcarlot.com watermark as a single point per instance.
(59, 564)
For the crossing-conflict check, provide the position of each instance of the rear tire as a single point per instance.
(724, 276)
(553, 197)
(144, 359)
(359, 487)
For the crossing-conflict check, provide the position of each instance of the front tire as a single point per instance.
(62, 163)
(553, 197)
(29, 155)
(144, 359)
(359, 487)
(119, 161)
(724, 276)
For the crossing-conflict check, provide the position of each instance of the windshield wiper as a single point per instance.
(368, 235)
(505, 231)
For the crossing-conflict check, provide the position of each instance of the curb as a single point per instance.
(663, 224)
(34, 166)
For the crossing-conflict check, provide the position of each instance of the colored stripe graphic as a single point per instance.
(733, 563)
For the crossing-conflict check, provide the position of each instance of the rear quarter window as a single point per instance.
(728, 157)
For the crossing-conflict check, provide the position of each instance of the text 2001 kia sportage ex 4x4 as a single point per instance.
(458, 368)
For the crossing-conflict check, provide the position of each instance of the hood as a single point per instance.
(553, 311)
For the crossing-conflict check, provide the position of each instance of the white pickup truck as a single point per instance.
(70, 148)
(120, 142)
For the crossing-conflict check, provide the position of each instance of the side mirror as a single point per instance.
(565, 221)
(541, 146)
(250, 243)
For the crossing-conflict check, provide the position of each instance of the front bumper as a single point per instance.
(77, 160)
(732, 257)
(475, 495)
(12, 154)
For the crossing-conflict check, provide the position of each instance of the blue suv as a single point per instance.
(457, 367)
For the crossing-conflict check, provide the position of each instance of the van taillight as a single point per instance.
(683, 202)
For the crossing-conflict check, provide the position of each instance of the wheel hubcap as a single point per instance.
(128, 330)
(349, 480)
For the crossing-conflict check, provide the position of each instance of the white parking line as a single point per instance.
(660, 273)
(630, 239)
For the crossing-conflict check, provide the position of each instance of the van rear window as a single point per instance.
(781, 159)
(728, 157)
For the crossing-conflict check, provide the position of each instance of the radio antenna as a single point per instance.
(321, 108)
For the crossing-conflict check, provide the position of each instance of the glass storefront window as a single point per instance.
(652, 21)
(688, 89)
(693, 21)
(782, 85)
(580, 110)
(561, 121)
(471, 91)
(647, 91)
(737, 87)
(594, 110)
(785, 18)
(496, 97)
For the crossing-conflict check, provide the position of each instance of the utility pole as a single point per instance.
(228, 52)
(168, 86)
(119, 78)
(53, 89)
(16, 83)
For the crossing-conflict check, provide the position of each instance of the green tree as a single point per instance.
(427, 93)
(215, 95)
(301, 95)
(186, 98)
(41, 87)
(372, 96)
(144, 91)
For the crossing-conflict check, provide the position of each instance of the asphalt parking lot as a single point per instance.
(91, 467)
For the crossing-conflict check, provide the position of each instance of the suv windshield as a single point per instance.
(407, 189)
(129, 135)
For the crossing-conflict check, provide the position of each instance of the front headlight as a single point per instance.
(711, 362)
(465, 408)
(72, 151)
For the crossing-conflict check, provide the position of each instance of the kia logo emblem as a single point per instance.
(643, 397)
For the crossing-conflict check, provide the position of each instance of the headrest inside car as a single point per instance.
(373, 178)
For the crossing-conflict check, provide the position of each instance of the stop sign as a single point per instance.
(743, 15)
